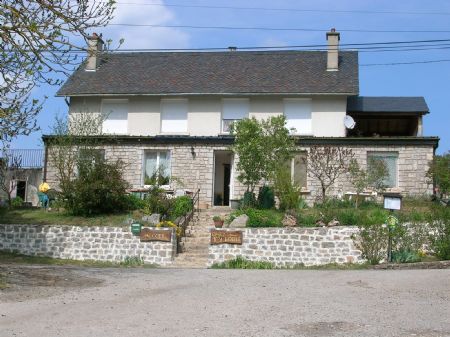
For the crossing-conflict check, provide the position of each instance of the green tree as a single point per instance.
(373, 177)
(261, 146)
(39, 41)
(439, 173)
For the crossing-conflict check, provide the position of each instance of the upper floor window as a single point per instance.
(390, 160)
(174, 115)
(156, 167)
(115, 112)
(233, 109)
(298, 115)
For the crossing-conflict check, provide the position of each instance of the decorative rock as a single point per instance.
(333, 223)
(289, 221)
(239, 222)
(153, 219)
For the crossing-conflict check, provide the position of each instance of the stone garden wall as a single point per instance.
(291, 246)
(112, 244)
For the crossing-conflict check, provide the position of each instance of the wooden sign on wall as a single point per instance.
(219, 237)
(148, 235)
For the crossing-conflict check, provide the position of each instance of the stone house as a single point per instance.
(168, 115)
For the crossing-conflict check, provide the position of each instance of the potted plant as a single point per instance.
(218, 221)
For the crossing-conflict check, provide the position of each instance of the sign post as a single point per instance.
(392, 201)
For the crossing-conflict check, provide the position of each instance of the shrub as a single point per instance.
(266, 198)
(287, 192)
(242, 263)
(372, 241)
(306, 220)
(134, 202)
(156, 201)
(180, 207)
(249, 200)
(16, 202)
(98, 189)
(263, 218)
(405, 256)
(439, 237)
(348, 217)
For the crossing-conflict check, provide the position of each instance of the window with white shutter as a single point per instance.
(233, 109)
(174, 113)
(298, 115)
(115, 112)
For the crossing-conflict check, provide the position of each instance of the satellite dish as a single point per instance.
(349, 122)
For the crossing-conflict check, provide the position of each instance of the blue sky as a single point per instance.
(430, 80)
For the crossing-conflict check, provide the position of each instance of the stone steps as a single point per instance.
(195, 246)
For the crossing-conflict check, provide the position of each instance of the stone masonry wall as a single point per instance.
(112, 244)
(197, 171)
(291, 246)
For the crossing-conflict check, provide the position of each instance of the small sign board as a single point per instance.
(392, 201)
(219, 237)
(150, 234)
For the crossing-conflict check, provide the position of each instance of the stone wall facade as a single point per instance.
(291, 246)
(112, 244)
(192, 164)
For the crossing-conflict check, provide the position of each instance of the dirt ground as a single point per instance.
(76, 301)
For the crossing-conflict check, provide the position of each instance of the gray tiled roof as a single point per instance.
(387, 104)
(275, 72)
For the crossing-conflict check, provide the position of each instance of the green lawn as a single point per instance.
(42, 217)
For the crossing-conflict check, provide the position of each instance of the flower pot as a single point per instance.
(218, 223)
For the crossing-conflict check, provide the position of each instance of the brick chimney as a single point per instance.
(95, 46)
(333, 38)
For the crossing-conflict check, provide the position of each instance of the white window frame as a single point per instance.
(223, 125)
(292, 163)
(308, 103)
(167, 101)
(158, 152)
(387, 154)
(114, 101)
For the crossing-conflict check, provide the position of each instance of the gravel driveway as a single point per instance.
(189, 302)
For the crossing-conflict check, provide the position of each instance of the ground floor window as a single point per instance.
(156, 167)
(390, 159)
(297, 166)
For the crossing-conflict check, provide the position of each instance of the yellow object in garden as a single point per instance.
(170, 224)
(44, 187)
(392, 221)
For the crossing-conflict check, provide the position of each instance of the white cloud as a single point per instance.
(146, 37)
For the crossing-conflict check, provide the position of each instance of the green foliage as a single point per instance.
(16, 202)
(98, 189)
(439, 237)
(439, 173)
(306, 220)
(158, 178)
(260, 217)
(266, 198)
(363, 180)
(242, 263)
(156, 201)
(249, 200)
(372, 241)
(180, 207)
(286, 190)
(132, 261)
(348, 217)
(261, 146)
(134, 202)
(405, 256)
